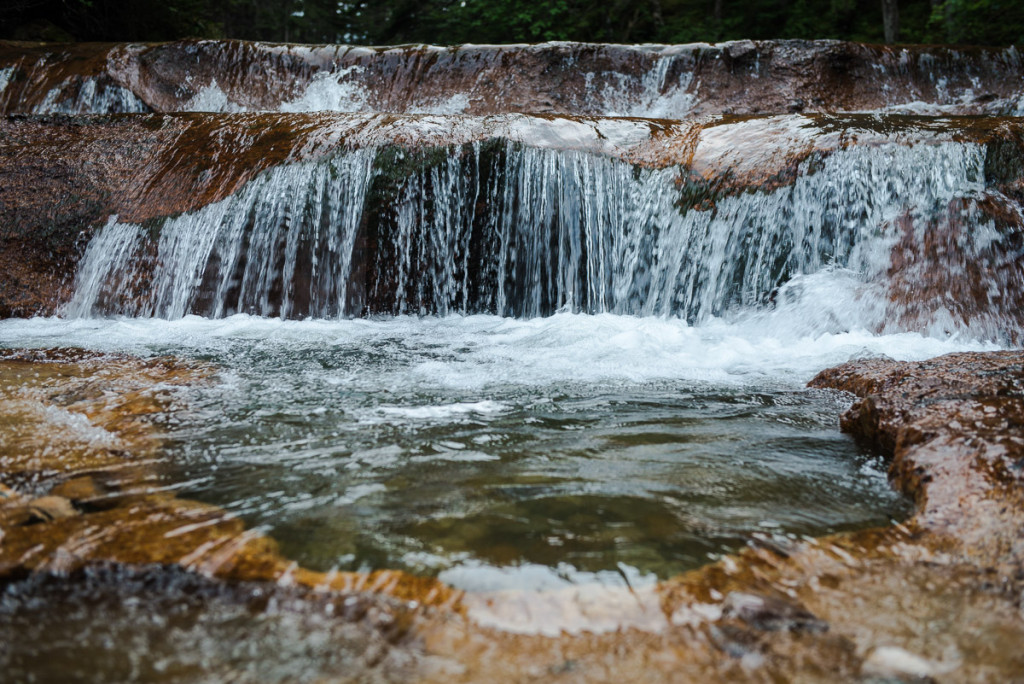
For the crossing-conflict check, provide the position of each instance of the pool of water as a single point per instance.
(500, 453)
(154, 624)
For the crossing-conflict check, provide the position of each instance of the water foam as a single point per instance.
(472, 353)
(86, 96)
(331, 91)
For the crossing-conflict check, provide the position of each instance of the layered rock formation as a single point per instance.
(431, 197)
(662, 81)
(954, 429)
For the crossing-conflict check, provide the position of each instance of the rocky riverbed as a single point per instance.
(487, 363)
(937, 597)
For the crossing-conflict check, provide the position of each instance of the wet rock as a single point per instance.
(71, 411)
(954, 429)
(7, 494)
(875, 604)
(50, 508)
(771, 613)
(79, 489)
(736, 643)
(935, 598)
(929, 272)
(741, 50)
(174, 621)
(560, 78)
(102, 508)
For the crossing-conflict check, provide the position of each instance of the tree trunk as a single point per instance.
(891, 21)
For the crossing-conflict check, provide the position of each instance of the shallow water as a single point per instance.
(501, 453)
(158, 624)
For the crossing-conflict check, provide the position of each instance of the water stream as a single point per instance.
(512, 352)
(570, 369)
(505, 453)
(520, 231)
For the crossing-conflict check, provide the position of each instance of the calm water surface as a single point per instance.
(500, 453)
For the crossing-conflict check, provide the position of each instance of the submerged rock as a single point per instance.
(770, 613)
(110, 622)
(50, 508)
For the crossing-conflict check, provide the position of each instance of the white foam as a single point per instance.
(331, 92)
(559, 600)
(360, 491)
(211, 98)
(76, 425)
(473, 353)
(444, 411)
(464, 456)
(479, 577)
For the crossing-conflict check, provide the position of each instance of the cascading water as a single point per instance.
(519, 231)
(513, 351)
(88, 98)
(240, 254)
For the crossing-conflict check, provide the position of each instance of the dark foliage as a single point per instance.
(987, 22)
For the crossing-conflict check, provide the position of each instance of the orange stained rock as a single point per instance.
(940, 594)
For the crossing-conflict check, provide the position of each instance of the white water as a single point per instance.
(316, 207)
(86, 97)
(397, 442)
(472, 353)
(527, 232)
(651, 95)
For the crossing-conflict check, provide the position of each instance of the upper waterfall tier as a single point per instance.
(889, 223)
(656, 81)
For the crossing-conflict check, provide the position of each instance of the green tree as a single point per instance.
(384, 22)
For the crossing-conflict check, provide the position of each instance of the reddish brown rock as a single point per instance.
(954, 428)
(967, 264)
(79, 428)
(669, 81)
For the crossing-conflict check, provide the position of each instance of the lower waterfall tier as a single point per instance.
(888, 224)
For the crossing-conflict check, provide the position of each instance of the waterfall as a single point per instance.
(505, 228)
(281, 244)
(87, 97)
(41, 89)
